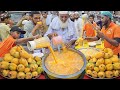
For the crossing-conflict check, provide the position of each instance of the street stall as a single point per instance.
(89, 60)
(62, 55)
(19, 64)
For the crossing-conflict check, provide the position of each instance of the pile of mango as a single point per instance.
(19, 64)
(103, 64)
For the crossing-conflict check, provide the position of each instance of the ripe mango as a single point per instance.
(116, 73)
(109, 67)
(20, 67)
(116, 66)
(109, 74)
(28, 75)
(7, 58)
(101, 74)
(21, 75)
(27, 70)
(90, 66)
(102, 67)
(24, 54)
(108, 61)
(94, 74)
(16, 55)
(34, 74)
(15, 61)
(96, 69)
(89, 72)
(114, 59)
(4, 65)
(12, 74)
(39, 70)
(5, 72)
(37, 58)
(12, 66)
(99, 55)
(23, 61)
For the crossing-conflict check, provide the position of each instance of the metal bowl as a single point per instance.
(71, 76)
(96, 49)
(101, 78)
(90, 48)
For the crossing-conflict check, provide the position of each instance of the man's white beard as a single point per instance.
(63, 25)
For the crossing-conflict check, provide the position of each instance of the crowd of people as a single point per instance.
(71, 25)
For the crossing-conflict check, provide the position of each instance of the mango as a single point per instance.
(12, 66)
(20, 67)
(21, 75)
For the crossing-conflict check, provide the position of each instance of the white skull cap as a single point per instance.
(71, 13)
(76, 12)
(84, 16)
(63, 12)
(83, 12)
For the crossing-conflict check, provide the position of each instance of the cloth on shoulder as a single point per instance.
(6, 45)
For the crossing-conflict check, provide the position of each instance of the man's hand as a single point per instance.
(25, 40)
(69, 44)
(24, 18)
(88, 38)
(38, 26)
(52, 35)
(36, 36)
(98, 28)
(91, 38)
(100, 34)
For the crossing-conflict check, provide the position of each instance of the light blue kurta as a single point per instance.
(67, 34)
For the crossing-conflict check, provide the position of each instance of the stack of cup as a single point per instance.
(57, 40)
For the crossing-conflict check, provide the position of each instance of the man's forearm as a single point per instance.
(37, 27)
(24, 40)
(72, 42)
(92, 38)
(111, 41)
(50, 36)
(33, 32)
(19, 23)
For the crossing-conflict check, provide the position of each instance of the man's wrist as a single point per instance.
(49, 35)
(104, 37)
